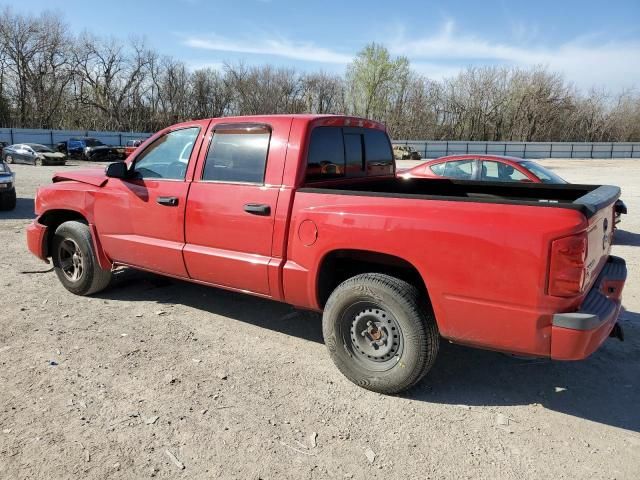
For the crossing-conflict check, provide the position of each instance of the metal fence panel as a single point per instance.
(533, 150)
(52, 137)
(426, 148)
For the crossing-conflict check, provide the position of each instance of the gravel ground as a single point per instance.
(166, 379)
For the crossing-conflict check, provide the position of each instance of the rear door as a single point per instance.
(141, 218)
(231, 204)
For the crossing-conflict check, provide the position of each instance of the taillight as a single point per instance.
(567, 267)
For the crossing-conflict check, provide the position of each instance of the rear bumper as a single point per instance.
(576, 335)
(36, 240)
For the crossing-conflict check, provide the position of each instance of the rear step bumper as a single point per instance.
(576, 335)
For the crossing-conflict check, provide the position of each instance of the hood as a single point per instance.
(52, 154)
(91, 176)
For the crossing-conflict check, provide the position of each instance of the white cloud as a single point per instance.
(587, 61)
(197, 65)
(279, 47)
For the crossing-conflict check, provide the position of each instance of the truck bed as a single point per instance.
(588, 199)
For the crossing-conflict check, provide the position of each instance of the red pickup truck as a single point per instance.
(306, 209)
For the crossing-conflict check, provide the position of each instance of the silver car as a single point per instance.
(32, 154)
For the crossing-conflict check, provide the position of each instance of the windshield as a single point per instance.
(40, 148)
(93, 142)
(547, 176)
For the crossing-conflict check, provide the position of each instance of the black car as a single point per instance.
(89, 148)
(7, 187)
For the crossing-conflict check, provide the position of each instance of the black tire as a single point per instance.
(74, 260)
(8, 201)
(8, 159)
(397, 319)
(38, 162)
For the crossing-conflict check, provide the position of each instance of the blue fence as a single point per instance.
(435, 149)
(427, 149)
(52, 137)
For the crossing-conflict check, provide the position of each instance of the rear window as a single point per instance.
(338, 152)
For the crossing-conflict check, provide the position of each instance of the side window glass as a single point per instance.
(460, 169)
(500, 172)
(438, 169)
(238, 153)
(168, 156)
(326, 154)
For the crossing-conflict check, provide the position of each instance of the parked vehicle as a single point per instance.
(131, 147)
(92, 149)
(32, 154)
(492, 168)
(7, 187)
(307, 209)
(404, 152)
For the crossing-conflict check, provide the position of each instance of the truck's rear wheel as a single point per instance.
(74, 260)
(379, 333)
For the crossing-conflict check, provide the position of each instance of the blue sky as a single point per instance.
(594, 43)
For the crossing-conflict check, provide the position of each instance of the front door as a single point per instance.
(232, 203)
(142, 217)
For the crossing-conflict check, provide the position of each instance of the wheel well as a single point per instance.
(53, 219)
(340, 265)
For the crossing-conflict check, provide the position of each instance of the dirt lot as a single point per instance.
(238, 387)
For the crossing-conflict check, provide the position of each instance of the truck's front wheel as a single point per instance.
(74, 260)
(379, 333)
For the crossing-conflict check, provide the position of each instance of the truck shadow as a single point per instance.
(24, 210)
(132, 285)
(604, 388)
(624, 237)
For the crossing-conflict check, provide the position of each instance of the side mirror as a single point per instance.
(117, 170)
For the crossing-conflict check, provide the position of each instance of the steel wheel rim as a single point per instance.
(71, 260)
(372, 336)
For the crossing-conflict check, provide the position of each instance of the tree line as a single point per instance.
(52, 79)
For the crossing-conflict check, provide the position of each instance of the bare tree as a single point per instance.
(52, 79)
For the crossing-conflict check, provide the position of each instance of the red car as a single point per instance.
(307, 210)
(491, 168)
(494, 168)
(131, 147)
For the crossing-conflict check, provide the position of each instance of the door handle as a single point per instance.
(257, 209)
(168, 201)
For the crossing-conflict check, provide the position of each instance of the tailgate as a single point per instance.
(600, 205)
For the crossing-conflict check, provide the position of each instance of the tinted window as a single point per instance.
(354, 155)
(168, 156)
(378, 153)
(334, 151)
(500, 172)
(237, 154)
(326, 154)
(462, 169)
